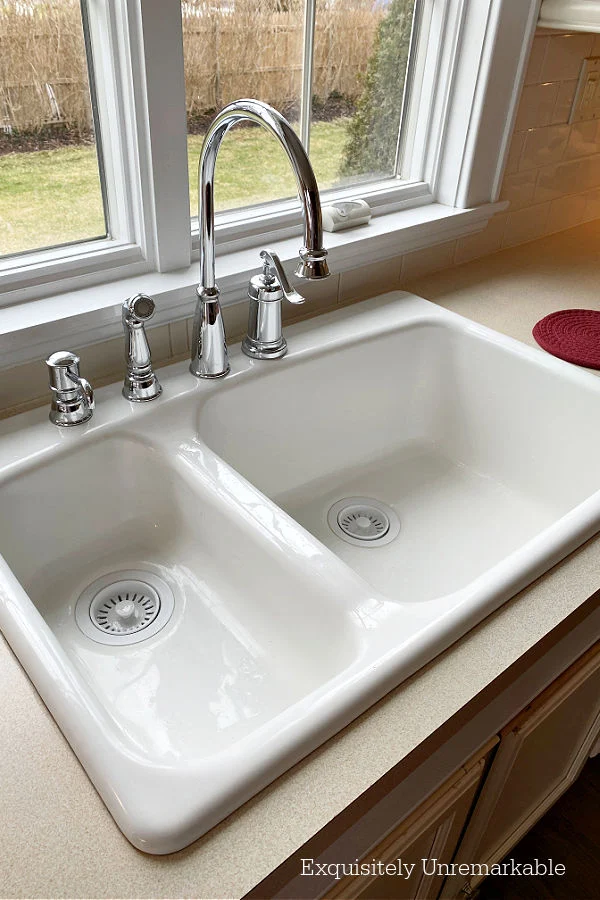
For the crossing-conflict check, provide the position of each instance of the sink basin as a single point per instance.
(235, 649)
(477, 445)
(205, 588)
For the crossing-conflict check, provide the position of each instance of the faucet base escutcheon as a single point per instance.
(209, 345)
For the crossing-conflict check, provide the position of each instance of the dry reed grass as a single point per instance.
(256, 51)
(41, 43)
(232, 48)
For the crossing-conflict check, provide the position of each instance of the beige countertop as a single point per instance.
(56, 837)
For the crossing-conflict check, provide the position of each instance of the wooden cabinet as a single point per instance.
(540, 754)
(479, 814)
(431, 832)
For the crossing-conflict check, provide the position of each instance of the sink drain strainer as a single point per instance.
(363, 521)
(124, 607)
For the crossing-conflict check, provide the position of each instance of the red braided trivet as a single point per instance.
(571, 334)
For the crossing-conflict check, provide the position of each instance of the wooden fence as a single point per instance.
(232, 48)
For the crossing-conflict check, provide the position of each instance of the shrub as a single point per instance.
(373, 131)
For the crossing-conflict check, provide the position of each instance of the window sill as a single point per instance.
(31, 330)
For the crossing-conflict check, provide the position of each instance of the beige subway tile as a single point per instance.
(160, 343)
(424, 262)
(584, 139)
(537, 105)
(564, 102)
(519, 188)
(589, 172)
(526, 225)
(235, 319)
(367, 281)
(566, 212)
(592, 205)
(556, 181)
(564, 55)
(24, 383)
(536, 59)
(483, 243)
(319, 294)
(103, 360)
(189, 327)
(179, 337)
(544, 146)
(514, 153)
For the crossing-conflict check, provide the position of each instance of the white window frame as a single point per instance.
(468, 72)
(126, 246)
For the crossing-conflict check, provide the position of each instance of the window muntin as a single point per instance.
(50, 171)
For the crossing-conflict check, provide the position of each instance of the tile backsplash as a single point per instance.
(552, 182)
(552, 178)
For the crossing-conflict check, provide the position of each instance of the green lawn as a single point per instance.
(53, 196)
(49, 197)
(252, 167)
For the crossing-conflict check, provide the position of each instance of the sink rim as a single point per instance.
(174, 818)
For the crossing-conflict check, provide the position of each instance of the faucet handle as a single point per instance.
(265, 338)
(272, 261)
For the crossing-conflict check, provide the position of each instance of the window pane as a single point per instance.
(253, 48)
(50, 185)
(234, 49)
(361, 59)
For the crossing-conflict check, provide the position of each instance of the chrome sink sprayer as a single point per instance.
(141, 384)
(265, 340)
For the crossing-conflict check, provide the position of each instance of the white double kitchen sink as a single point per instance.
(297, 538)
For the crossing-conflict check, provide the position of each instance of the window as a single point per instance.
(335, 68)
(406, 102)
(51, 188)
(233, 49)
(361, 59)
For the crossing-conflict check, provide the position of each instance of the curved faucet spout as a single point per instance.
(209, 351)
(313, 263)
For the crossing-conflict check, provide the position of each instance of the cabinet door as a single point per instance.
(431, 831)
(540, 755)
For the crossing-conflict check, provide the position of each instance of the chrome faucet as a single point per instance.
(209, 347)
(141, 384)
